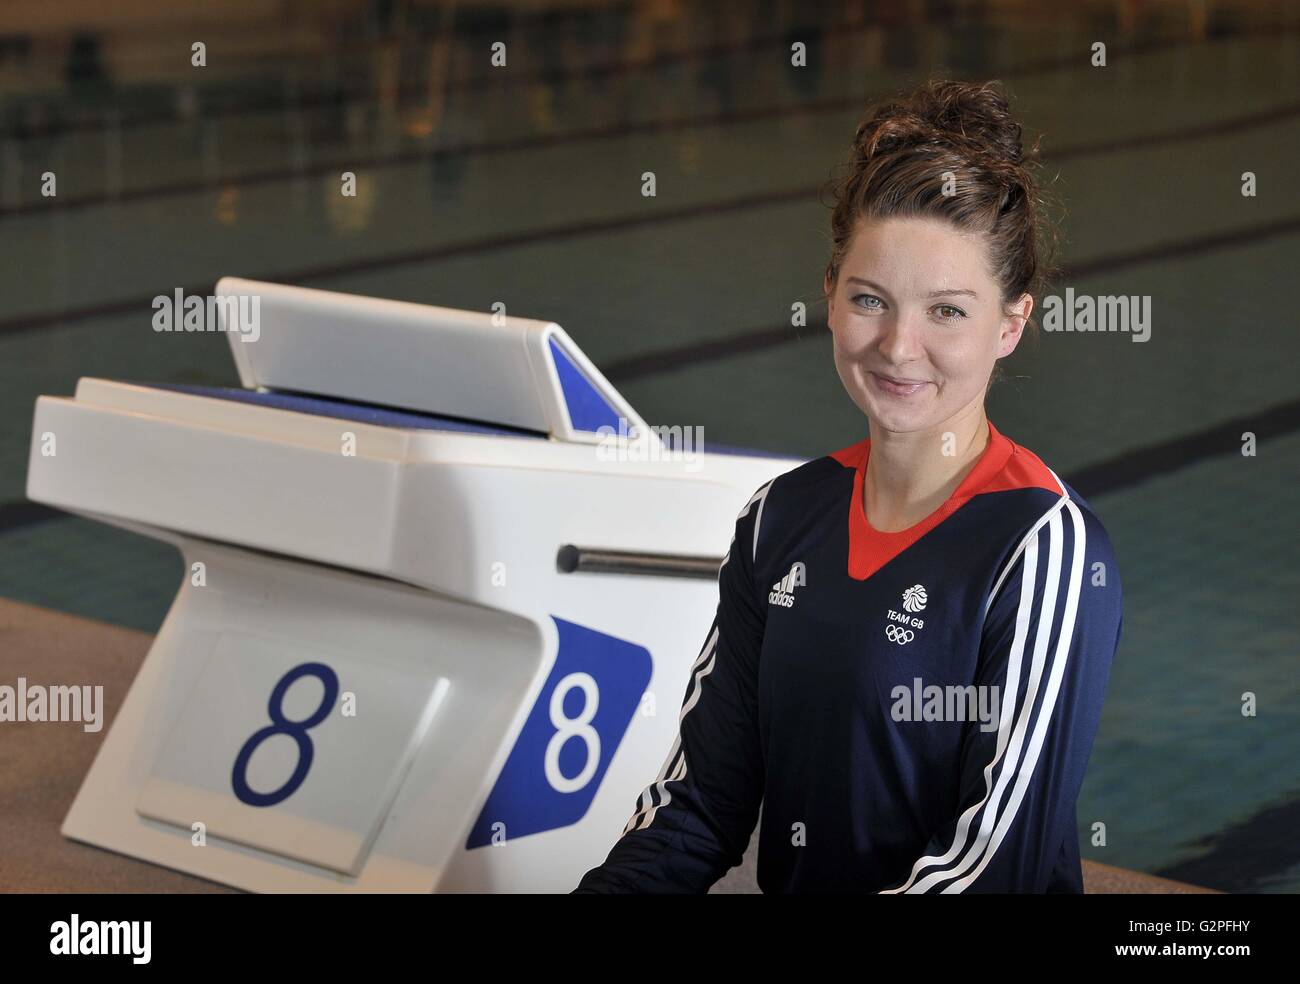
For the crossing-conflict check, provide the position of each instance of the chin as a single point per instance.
(901, 420)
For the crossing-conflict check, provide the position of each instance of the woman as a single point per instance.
(914, 633)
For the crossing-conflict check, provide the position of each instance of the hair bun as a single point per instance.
(973, 119)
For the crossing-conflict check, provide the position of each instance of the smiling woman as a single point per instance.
(936, 556)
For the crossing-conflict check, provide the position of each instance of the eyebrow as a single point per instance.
(942, 292)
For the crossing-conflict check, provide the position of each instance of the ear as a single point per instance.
(828, 288)
(1013, 325)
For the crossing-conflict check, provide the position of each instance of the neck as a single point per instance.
(910, 475)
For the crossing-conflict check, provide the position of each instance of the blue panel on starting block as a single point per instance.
(588, 408)
(565, 747)
(362, 413)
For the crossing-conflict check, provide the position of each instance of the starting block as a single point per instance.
(435, 626)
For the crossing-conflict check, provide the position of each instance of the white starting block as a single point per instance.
(429, 637)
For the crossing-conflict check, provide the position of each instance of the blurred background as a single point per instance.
(522, 184)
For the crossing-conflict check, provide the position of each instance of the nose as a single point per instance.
(899, 341)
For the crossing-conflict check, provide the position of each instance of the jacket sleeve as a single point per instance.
(1052, 623)
(694, 821)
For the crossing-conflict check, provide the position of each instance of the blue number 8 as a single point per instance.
(297, 730)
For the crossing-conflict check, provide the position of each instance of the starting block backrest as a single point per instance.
(509, 371)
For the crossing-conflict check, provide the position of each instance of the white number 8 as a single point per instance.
(578, 727)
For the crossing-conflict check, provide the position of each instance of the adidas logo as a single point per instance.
(783, 591)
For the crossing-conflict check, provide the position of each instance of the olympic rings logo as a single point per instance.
(901, 636)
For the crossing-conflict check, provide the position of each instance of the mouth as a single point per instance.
(892, 386)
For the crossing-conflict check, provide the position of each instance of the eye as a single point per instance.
(949, 313)
(858, 299)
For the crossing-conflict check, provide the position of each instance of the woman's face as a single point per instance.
(918, 323)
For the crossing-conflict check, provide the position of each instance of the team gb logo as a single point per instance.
(914, 599)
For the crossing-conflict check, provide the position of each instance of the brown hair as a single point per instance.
(906, 145)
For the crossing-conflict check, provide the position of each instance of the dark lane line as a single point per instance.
(1182, 249)
(19, 324)
(1138, 465)
(455, 249)
(757, 339)
(1244, 856)
(618, 131)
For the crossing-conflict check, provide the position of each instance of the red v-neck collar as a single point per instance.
(1002, 465)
